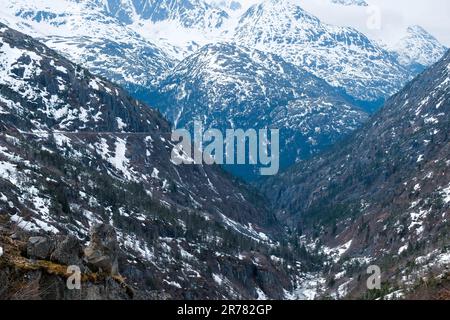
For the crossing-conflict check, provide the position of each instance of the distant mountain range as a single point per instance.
(342, 56)
(143, 45)
(418, 48)
(119, 32)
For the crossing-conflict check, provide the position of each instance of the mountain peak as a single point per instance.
(226, 86)
(286, 29)
(416, 29)
(418, 46)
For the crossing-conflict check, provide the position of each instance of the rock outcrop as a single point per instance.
(68, 251)
(37, 267)
(102, 252)
(40, 247)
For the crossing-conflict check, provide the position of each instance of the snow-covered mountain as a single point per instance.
(419, 47)
(188, 13)
(84, 33)
(133, 42)
(342, 56)
(43, 92)
(137, 44)
(227, 5)
(179, 26)
(77, 150)
(227, 86)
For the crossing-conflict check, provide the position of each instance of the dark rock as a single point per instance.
(108, 290)
(39, 248)
(103, 250)
(68, 251)
(15, 236)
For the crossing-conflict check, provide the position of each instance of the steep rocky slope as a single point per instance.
(382, 197)
(188, 13)
(342, 56)
(76, 150)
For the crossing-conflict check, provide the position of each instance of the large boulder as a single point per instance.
(68, 251)
(103, 250)
(40, 247)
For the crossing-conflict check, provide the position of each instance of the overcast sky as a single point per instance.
(395, 16)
